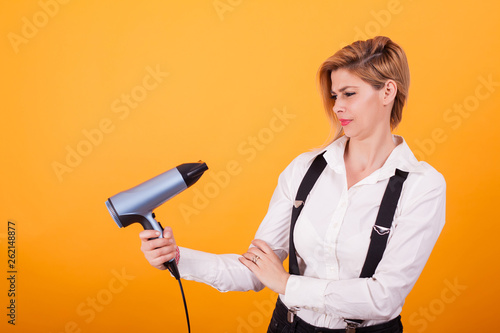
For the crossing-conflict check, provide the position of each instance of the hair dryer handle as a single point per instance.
(152, 224)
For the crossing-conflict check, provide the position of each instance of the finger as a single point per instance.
(249, 264)
(149, 245)
(160, 255)
(249, 256)
(168, 232)
(255, 260)
(148, 234)
(262, 245)
(252, 252)
(162, 251)
(159, 263)
(163, 255)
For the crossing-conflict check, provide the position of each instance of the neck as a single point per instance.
(369, 153)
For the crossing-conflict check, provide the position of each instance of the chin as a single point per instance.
(349, 133)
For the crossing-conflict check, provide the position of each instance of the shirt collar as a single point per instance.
(400, 158)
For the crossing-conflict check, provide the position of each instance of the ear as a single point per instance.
(389, 92)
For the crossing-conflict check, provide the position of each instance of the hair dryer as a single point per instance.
(137, 204)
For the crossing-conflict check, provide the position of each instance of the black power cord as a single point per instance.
(172, 267)
(185, 305)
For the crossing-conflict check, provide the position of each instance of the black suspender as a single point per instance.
(305, 187)
(380, 232)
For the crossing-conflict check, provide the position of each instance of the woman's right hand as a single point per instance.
(160, 250)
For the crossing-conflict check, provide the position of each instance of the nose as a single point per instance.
(338, 107)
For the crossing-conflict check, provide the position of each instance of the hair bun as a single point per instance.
(380, 42)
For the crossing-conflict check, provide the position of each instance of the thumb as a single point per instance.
(168, 233)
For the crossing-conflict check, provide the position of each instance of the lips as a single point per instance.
(345, 122)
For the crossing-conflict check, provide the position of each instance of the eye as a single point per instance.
(349, 94)
(334, 97)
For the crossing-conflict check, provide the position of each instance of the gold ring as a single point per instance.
(254, 259)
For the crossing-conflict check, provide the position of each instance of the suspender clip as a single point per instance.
(298, 203)
(351, 326)
(290, 316)
(382, 231)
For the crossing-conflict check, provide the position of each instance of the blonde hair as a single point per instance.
(374, 61)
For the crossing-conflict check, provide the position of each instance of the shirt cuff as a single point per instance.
(197, 265)
(306, 292)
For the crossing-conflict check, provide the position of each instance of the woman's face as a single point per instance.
(361, 110)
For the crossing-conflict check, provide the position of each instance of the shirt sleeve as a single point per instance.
(418, 222)
(224, 271)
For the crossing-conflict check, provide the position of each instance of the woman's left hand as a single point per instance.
(266, 265)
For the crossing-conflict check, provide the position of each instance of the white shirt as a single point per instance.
(332, 236)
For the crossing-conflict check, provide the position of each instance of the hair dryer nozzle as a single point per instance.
(191, 172)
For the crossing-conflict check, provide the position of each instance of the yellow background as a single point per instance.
(232, 66)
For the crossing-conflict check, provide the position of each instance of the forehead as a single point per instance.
(342, 78)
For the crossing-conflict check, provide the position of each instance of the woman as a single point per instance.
(364, 88)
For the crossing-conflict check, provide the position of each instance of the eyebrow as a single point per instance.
(342, 89)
